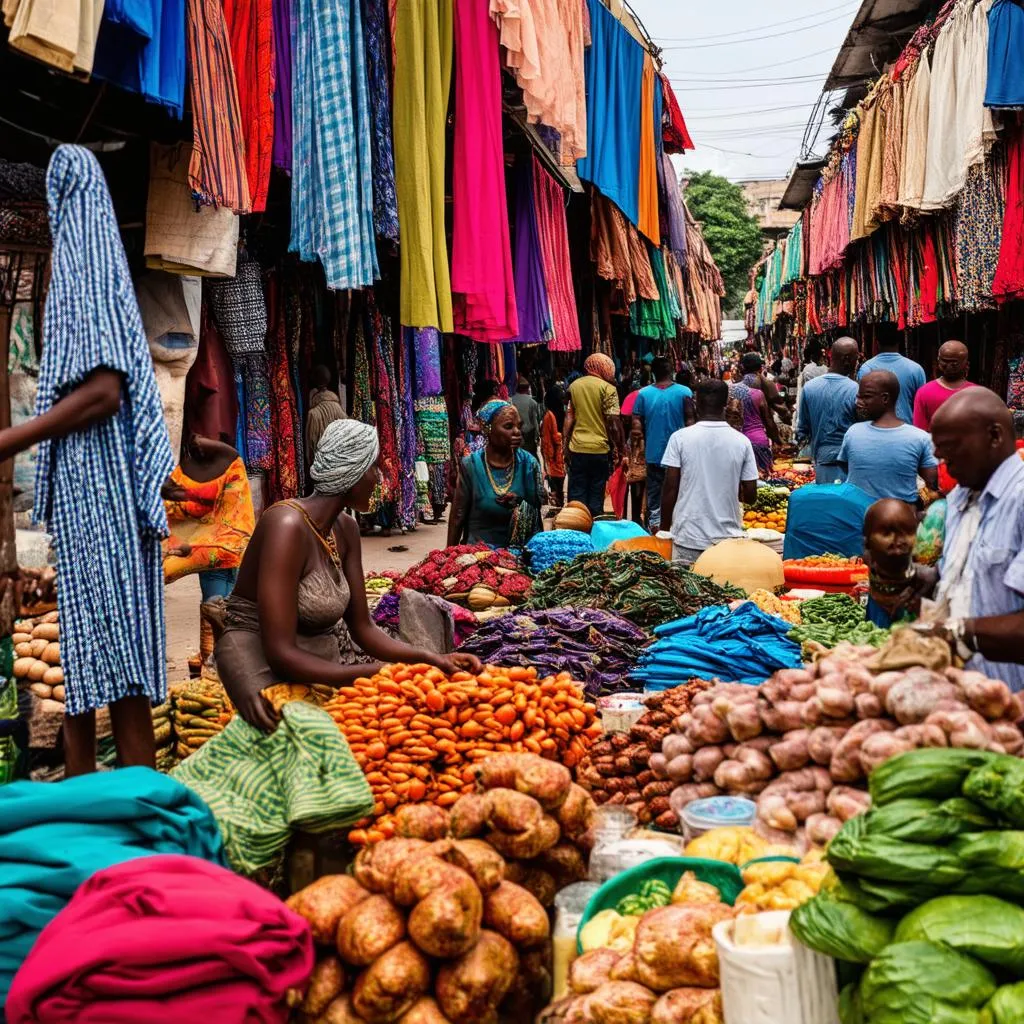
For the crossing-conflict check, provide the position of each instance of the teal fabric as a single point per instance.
(607, 531)
(56, 835)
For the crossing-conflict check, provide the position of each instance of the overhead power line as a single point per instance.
(734, 112)
(777, 64)
(759, 28)
(757, 38)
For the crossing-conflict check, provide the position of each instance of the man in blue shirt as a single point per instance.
(911, 375)
(828, 408)
(883, 455)
(659, 413)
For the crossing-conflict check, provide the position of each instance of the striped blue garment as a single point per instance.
(98, 490)
(332, 166)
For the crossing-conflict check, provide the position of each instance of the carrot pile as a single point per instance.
(417, 733)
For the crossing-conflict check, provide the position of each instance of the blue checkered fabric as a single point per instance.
(332, 166)
(98, 490)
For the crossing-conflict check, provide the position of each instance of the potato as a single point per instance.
(620, 1002)
(58, 690)
(340, 1011)
(325, 902)
(421, 821)
(446, 923)
(625, 969)
(46, 631)
(369, 930)
(547, 782)
(478, 859)
(424, 1011)
(37, 670)
(516, 915)
(375, 866)
(468, 816)
(325, 985)
(421, 875)
(529, 844)
(51, 617)
(391, 985)
(564, 863)
(23, 650)
(577, 814)
(589, 971)
(21, 667)
(38, 646)
(54, 676)
(51, 655)
(42, 690)
(513, 812)
(689, 1006)
(470, 989)
(536, 881)
(497, 772)
(674, 948)
(51, 707)
(21, 638)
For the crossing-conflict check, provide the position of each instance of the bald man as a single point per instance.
(981, 575)
(883, 455)
(911, 375)
(952, 363)
(828, 408)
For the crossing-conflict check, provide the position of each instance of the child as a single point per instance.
(890, 529)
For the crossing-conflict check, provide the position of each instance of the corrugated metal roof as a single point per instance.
(801, 185)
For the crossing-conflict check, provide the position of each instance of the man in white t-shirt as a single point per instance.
(710, 468)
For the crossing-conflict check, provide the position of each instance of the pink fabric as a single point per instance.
(483, 288)
(164, 938)
(554, 247)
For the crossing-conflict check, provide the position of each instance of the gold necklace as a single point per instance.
(328, 543)
(503, 488)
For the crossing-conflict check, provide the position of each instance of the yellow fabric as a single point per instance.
(648, 222)
(61, 33)
(592, 400)
(423, 69)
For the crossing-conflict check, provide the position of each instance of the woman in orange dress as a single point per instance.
(551, 444)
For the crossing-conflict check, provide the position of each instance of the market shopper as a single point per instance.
(707, 468)
(592, 437)
(980, 595)
(828, 408)
(659, 411)
(324, 407)
(953, 362)
(530, 415)
(752, 367)
(754, 420)
(551, 445)
(104, 455)
(884, 456)
(302, 574)
(499, 492)
(911, 375)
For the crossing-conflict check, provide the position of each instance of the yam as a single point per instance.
(470, 989)
(21, 638)
(420, 875)
(421, 821)
(23, 650)
(369, 930)
(391, 985)
(51, 655)
(46, 631)
(539, 883)
(340, 1011)
(54, 677)
(38, 646)
(529, 844)
(589, 971)
(424, 1011)
(446, 923)
(511, 811)
(576, 815)
(325, 985)
(688, 1006)
(468, 816)
(50, 617)
(51, 707)
(516, 915)
(37, 670)
(375, 867)
(325, 902)
(478, 859)
(42, 690)
(21, 667)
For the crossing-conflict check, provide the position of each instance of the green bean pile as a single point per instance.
(639, 585)
(833, 618)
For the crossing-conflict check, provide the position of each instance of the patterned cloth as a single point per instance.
(286, 424)
(426, 343)
(378, 53)
(432, 440)
(406, 429)
(98, 490)
(332, 170)
(240, 310)
(259, 443)
(260, 788)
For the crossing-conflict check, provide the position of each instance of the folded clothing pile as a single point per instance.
(165, 937)
(53, 836)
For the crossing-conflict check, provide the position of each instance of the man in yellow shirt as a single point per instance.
(593, 432)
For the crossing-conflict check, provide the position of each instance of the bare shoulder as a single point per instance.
(346, 531)
(281, 521)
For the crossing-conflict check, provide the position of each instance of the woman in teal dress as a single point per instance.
(500, 491)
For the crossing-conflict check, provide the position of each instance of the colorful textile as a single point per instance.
(104, 481)
(551, 447)
(285, 480)
(978, 234)
(554, 246)
(211, 408)
(378, 53)
(216, 173)
(384, 383)
(1005, 86)
(259, 442)
(165, 935)
(619, 253)
(650, 121)
(423, 66)
(215, 519)
(490, 521)
(406, 428)
(282, 152)
(250, 29)
(676, 136)
(332, 168)
(55, 835)
(600, 365)
(426, 344)
(261, 788)
(531, 291)
(432, 438)
(482, 282)
(1008, 283)
(654, 318)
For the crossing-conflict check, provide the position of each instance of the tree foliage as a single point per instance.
(732, 234)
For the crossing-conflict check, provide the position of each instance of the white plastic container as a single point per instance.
(783, 984)
(702, 816)
(621, 711)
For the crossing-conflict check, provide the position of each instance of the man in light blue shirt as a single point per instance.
(981, 588)
(911, 375)
(828, 408)
(659, 412)
(883, 455)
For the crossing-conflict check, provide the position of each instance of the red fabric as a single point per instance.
(250, 28)
(676, 135)
(553, 231)
(170, 938)
(928, 280)
(211, 401)
(617, 487)
(284, 413)
(1009, 279)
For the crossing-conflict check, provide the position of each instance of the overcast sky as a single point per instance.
(729, 61)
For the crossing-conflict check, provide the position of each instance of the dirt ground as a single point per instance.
(183, 597)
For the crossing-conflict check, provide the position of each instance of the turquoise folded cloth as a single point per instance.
(56, 835)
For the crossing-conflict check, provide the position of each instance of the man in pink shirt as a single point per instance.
(952, 363)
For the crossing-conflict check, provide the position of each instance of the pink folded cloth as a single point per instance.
(164, 938)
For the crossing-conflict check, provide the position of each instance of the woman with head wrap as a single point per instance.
(499, 491)
(302, 574)
(593, 432)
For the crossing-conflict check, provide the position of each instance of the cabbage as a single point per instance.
(927, 821)
(850, 1009)
(994, 862)
(840, 930)
(987, 928)
(1007, 1005)
(999, 786)
(921, 983)
(934, 773)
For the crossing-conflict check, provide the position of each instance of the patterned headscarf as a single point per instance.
(600, 365)
(346, 451)
(489, 410)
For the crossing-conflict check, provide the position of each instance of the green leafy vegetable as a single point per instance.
(932, 774)
(840, 930)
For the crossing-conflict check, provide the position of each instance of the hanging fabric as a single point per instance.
(216, 174)
(282, 151)
(63, 37)
(285, 479)
(650, 121)
(482, 280)
(406, 424)
(423, 65)
(332, 170)
(426, 347)
(978, 233)
(532, 304)
(676, 136)
(554, 246)
(378, 53)
(915, 139)
(250, 29)
(1009, 277)
(1005, 80)
(615, 71)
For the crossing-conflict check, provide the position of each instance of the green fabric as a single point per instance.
(652, 318)
(260, 788)
(55, 835)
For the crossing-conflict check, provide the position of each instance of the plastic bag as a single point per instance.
(840, 930)
(617, 488)
(987, 928)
